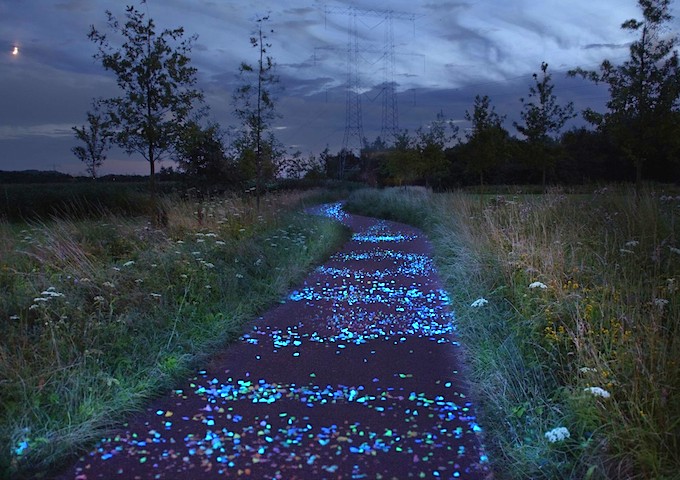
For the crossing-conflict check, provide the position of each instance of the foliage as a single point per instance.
(254, 107)
(642, 111)
(157, 82)
(430, 145)
(96, 137)
(580, 329)
(98, 316)
(401, 162)
(201, 155)
(543, 120)
(487, 139)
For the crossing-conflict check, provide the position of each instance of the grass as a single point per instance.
(581, 329)
(100, 315)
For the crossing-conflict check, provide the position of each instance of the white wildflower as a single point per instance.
(154, 265)
(180, 242)
(34, 306)
(40, 299)
(184, 276)
(660, 302)
(631, 243)
(195, 253)
(200, 240)
(625, 251)
(155, 295)
(538, 285)
(14, 317)
(587, 369)
(239, 275)
(108, 285)
(557, 434)
(50, 292)
(98, 299)
(209, 265)
(675, 250)
(479, 303)
(117, 269)
(212, 235)
(598, 392)
(220, 242)
(138, 281)
(129, 263)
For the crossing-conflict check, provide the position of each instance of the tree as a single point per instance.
(486, 139)
(402, 161)
(430, 143)
(157, 82)
(254, 106)
(642, 111)
(96, 138)
(200, 153)
(543, 120)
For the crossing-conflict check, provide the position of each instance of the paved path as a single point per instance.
(354, 376)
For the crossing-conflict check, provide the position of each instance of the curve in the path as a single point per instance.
(356, 375)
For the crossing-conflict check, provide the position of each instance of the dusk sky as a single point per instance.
(446, 53)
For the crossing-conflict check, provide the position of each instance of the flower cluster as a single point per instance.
(557, 434)
(480, 302)
(598, 392)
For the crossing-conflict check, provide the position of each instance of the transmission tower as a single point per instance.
(390, 112)
(354, 129)
(354, 134)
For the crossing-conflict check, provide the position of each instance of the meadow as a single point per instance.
(568, 309)
(101, 311)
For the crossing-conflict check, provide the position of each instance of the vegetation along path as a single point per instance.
(355, 375)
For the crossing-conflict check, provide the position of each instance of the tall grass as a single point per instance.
(581, 329)
(98, 316)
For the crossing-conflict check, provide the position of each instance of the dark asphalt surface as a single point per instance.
(356, 375)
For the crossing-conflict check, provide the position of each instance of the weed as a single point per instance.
(100, 315)
(581, 326)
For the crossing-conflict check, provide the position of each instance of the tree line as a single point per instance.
(161, 114)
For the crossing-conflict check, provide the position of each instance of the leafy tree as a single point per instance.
(486, 139)
(157, 82)
(432, 163)
(200, 153)
(543, 120)
(96, 138)
(402, 161)
(642, 109)
(254, 107)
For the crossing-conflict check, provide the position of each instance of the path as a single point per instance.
(354, 376)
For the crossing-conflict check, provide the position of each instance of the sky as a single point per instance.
(445, 53)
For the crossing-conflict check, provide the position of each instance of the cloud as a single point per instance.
(611, 46)
(52, 130)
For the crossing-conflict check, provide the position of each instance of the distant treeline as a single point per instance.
(51, 176)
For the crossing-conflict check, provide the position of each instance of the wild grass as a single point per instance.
(582, 326)
(99, 315)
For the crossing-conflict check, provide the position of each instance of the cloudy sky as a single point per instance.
(446, 52)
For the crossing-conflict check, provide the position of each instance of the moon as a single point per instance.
(15, 50)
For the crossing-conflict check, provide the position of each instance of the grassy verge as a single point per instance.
(581, 329)
(98, 316)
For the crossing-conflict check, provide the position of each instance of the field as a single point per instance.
(100, 314)
(568, 307)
